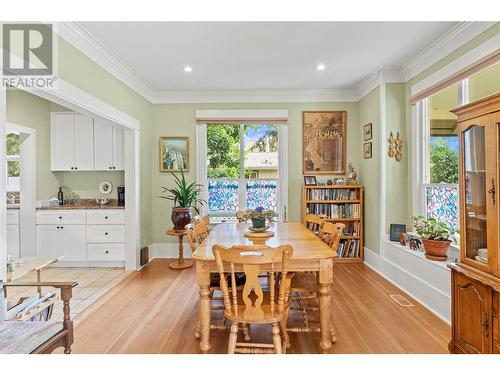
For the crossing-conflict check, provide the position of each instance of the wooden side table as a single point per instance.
(181, 263)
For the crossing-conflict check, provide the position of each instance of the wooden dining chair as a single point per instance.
(305, 286)
(315, 223)
(196, 233)
(203, 219)
(253, 304)
(240, 215)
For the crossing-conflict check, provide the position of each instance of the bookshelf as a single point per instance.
(344, 204)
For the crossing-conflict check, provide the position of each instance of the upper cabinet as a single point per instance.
(72, 146)
(81, 143)
(108, 145)
(479, 132)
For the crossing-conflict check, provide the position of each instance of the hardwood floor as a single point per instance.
(155, 311)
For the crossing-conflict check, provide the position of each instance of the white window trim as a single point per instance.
(421, 148)
(201, 167)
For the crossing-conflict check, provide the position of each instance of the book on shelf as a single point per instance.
(348, 248)
(334, 211)
(332, 194)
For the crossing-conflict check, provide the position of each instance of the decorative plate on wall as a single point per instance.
(105, 187)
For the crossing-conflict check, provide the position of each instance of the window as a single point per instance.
(242, 168)
(437, 144)
(12, 159)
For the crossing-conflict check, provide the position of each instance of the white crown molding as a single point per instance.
(92, 48)
(459, 35)
(462, 33)
(255, 96)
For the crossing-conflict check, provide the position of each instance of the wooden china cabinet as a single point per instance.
(475, 279)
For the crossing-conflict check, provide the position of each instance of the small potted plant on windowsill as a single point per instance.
(259, 216)
(185, 197)
(436, 236)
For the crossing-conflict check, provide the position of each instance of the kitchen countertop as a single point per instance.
(86, 204)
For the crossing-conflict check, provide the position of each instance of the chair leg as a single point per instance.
(197, 330)
(246, 332)
(276, 338)
(333, 335)
(233, 336)
(284, 332)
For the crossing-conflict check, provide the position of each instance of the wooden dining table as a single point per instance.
(309, 254)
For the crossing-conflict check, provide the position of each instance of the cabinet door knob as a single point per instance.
(72, 168)
(114, 167)
(107, 252)
(106, 233)
(62, 227)
(58, 227)
(60, 217)
(76, 167)
(105, 217)
(109, 167)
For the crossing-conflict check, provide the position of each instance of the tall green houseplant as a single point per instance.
(184, 196)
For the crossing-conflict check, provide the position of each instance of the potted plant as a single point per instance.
(259, 216)
(436, 236)
(184, 196)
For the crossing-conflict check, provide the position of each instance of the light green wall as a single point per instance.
(369, 111)
(396, 171)
(32, 111)
(179, 120)
(79, 70)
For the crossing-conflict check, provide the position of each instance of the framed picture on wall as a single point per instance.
(367, 132)
(174, 154)
(324, 142)
(367, 150)
(310, 181)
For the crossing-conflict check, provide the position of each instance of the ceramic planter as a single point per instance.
(436, 250)
(181, 217)
(258, 223)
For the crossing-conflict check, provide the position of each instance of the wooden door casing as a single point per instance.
(471, 309)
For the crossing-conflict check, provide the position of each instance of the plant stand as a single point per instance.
(181, 263)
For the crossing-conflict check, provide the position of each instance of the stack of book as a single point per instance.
(348, 248)
(332, 194)
(334, 211)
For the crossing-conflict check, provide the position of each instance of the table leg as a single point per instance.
(38, 279)
(325, 282)
(203, 279)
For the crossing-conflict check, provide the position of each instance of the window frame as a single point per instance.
(281, 179)
(9, 158)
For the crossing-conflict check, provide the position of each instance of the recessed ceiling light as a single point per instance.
(188, 69)
(321, 67)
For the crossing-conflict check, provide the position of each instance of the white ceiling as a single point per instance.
(262, 55)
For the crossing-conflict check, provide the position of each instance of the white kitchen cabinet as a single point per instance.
(48, 240)
(72, 145)
(108, 145)
(91, 236)
(13, 240)
(84, 143)
(69, 241)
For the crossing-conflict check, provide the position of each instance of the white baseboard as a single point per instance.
(167, 250)
(427, 283)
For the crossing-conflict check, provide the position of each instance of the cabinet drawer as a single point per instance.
(105, 233)
(105, 217)
(61, 217)
(98, 251)
(13, 216)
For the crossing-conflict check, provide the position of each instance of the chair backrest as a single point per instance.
(315, 223)
(204, 219)
(253, 260)
(240, 215)
(196, 234)
(332, 233)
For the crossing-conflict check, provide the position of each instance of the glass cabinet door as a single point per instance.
(475, 194)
